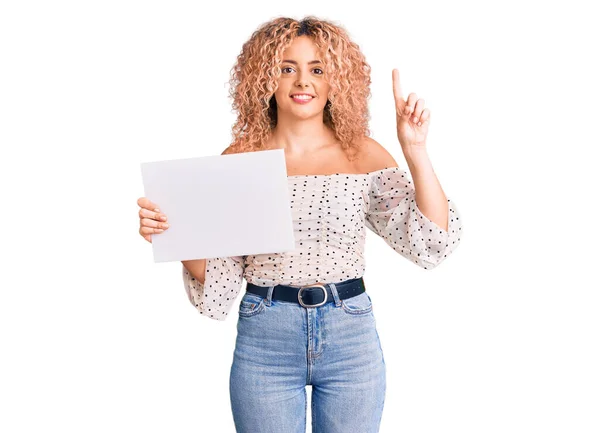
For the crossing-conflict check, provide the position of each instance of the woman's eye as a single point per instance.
(316, 69)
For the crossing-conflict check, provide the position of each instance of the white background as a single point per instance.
(501, 337)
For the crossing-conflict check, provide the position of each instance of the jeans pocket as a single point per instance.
(357, 305)
(251, 305)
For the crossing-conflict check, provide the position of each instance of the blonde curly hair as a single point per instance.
(255, 75)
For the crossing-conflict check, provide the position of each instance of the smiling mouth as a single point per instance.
(303, 99)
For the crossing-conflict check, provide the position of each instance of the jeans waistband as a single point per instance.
(312, 295)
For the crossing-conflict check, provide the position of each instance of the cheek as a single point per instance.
(279, 96)
(324, 90)
(282, 92)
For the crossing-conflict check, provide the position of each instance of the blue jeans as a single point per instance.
(281, 347)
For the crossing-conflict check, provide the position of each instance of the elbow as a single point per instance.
(428, 265)
(434, 260)
(430, 258)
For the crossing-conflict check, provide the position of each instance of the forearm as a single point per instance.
(430, 197)
(197, 268)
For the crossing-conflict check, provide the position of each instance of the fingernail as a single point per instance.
(415, 119)
(156, 210)
(164, 218)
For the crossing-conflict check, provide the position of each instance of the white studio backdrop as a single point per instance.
(95, 337)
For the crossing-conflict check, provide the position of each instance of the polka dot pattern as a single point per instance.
(330, 213)
(394, 215)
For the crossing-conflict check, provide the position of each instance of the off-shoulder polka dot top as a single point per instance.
(330, 213)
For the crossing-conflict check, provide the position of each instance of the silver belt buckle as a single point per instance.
(312, 305)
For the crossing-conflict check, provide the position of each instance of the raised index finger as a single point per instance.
(396, 85)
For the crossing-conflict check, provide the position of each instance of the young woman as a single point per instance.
(305, 318)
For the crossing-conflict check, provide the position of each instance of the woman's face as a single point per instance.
(301, 72)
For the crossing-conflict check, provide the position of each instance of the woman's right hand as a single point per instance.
(151, 221)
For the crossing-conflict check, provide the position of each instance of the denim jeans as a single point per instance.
(281, 347)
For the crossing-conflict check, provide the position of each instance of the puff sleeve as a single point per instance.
(393, 214)
(223, 282)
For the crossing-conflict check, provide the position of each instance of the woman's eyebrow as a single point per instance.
(310, 63)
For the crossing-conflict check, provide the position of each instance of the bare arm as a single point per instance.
(197, 268)
(429, 195)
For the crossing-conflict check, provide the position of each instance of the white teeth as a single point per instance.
(302, 97)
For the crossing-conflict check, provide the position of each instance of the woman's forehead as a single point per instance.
(302, 46)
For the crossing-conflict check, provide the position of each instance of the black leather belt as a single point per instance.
(312, 295)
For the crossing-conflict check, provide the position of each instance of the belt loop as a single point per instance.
(269, 296)
(334, 292)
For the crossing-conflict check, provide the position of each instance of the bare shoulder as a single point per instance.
(374, 157)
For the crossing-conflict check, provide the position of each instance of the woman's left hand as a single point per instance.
(412, 120)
